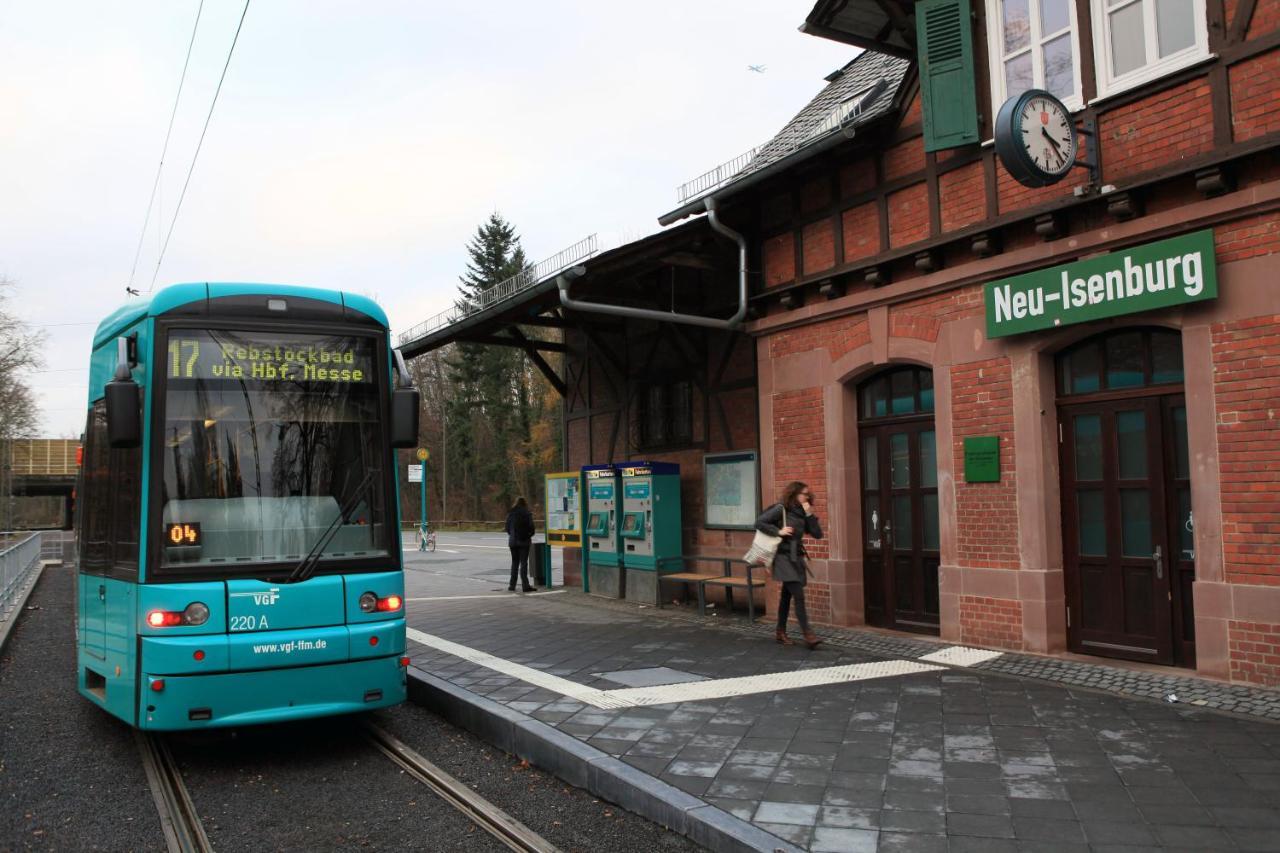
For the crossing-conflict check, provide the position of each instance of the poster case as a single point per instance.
(564, 510)
(732, 489)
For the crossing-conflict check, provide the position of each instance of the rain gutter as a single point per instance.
(564, 279)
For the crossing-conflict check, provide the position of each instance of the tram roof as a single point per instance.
(176, 295)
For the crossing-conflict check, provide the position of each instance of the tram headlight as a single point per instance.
(196, 613)
(368, 602)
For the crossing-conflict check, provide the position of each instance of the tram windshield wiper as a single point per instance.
(307, 567)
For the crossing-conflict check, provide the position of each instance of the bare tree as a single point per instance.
(20, 352)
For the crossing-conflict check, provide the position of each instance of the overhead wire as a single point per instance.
(165, 148)
(178, 208)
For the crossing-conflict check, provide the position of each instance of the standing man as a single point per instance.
(519, 539)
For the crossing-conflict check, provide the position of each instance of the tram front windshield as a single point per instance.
(271, 440)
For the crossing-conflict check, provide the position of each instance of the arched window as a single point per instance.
(1121, 360)
(902, 391)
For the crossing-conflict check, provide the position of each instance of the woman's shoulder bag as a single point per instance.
(765, 547)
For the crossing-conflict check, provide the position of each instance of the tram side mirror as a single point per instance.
(124, 402)
(404, 407)
(124, 425)
(404, 417)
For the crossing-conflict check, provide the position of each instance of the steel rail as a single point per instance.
(183, 831)
(483, 813)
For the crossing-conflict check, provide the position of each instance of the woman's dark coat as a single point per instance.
(519, 526)
(789, 565)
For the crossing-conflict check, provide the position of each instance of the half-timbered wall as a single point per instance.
(608, 364)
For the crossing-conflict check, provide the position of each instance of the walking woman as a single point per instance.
(519, 539)
(792, 519)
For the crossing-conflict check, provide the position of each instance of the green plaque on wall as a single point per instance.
(982, 459)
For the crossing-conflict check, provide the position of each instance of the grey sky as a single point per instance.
(358, 146)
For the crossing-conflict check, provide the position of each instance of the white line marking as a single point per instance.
(670, 693)
(417, 550)
(466, 545)
(693, 691)
(961, 656)
(504, 597)
(563, 686)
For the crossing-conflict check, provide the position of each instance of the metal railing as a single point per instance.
(505, 290)
(841, 116)
(58, 545)
(717, 177)
(19, 557)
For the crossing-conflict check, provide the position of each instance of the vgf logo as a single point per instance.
(270, 596)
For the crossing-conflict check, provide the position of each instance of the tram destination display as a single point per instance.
(267, 357)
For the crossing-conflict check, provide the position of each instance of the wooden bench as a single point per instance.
(751, 579)
(698, 579)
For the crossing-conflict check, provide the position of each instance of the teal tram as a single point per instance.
(240, 557)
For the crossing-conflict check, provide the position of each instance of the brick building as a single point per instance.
(1132, 508)
(1088, 470)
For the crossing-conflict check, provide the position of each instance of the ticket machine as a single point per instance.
(602, 573)
(649, 523)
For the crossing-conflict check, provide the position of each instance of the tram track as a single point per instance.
(184, 831)
(483, 813)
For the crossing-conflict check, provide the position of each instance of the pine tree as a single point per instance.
(483, 431)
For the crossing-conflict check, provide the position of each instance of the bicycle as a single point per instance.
(426, 537)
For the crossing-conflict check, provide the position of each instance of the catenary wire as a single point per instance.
(165, 148)
(177, 209)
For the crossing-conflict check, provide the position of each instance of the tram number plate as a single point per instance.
(182, 533)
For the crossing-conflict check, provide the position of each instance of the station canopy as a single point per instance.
(688, 269)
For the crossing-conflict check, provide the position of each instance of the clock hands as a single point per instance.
(1057, 149)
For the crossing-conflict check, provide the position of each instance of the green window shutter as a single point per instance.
(944, 37)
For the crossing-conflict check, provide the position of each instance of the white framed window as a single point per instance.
(1135, 41)
(1033, 44)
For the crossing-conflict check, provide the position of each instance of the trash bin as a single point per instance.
(540, 564)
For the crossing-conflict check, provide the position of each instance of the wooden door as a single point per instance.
(900, 525)
(1117, 522)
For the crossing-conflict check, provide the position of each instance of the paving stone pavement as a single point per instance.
(954, 759)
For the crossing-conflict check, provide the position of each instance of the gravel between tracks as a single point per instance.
(568, 817)
(70, 774)
(317, 785)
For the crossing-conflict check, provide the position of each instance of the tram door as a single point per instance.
(1126, 502)
(898, 458)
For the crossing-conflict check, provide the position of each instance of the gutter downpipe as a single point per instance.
(564, 279)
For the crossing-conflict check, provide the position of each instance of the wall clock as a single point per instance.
(1035, 138)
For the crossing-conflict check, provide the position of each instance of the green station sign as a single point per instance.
(1156, 275)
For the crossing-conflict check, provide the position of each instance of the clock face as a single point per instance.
(1047, 134)
(1035, 138)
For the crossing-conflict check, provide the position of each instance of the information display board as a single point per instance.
(732, 489)
(564, 509)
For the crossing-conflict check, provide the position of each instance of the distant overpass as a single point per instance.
(45, 467)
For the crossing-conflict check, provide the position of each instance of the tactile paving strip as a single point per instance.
(962, 656)
(722, 688)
